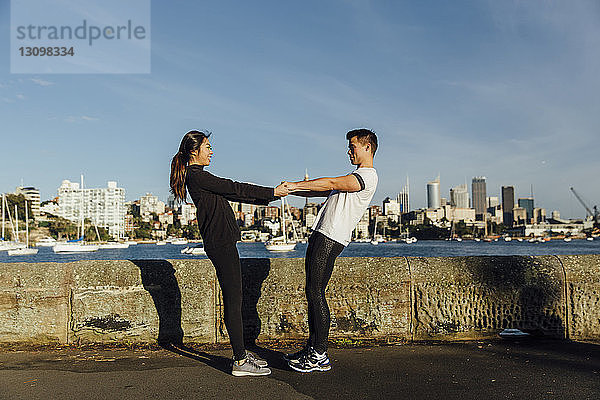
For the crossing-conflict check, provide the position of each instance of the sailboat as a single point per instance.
(194, 251)
(6, 244)
(282, 243)
(25, 251)
(77, 245)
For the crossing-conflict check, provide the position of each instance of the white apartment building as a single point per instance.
(50, 208)
(105, 207)
(391, 207)
(309, 220)
(188, 213)
(32, 195)
(150, 204)
(362, 228)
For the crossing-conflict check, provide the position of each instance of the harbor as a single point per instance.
(421, 248)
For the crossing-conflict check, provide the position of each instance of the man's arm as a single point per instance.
(310, 193)
(347, 183)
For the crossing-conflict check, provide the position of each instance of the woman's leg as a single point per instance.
(320, 258)
(229, 273)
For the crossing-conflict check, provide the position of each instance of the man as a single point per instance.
(347, 199)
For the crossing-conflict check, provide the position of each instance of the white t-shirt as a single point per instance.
(342, 210)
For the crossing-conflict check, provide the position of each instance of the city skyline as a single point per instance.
(466, 196)
(506, 90)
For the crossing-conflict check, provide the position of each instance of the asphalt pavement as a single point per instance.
(533, 369)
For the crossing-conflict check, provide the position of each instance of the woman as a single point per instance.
(220, 232)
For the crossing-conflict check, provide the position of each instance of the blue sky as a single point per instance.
(507, 90)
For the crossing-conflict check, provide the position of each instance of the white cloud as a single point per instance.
(20, 97)
(41, 82)
(73, 119)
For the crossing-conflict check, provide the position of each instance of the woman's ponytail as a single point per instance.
(178, 165)
(191, 142)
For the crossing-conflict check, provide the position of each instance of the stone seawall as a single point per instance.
(408, 298)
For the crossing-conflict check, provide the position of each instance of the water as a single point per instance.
(429, 248)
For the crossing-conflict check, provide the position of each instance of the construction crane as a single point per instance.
(595, 215)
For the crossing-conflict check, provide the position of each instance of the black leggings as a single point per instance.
(320, 257)
(229, 273)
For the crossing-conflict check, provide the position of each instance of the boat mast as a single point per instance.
(81, 210)
(283, 220)
(3, 200)
(17, 222)
(26, 225)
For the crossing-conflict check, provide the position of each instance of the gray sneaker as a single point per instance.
(247, 367)
(258, 361)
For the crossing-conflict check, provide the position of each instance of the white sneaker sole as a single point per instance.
(312, 369)
(247, 373)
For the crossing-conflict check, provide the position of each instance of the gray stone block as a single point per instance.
(34, 302)
(583, 296)
(477, 297)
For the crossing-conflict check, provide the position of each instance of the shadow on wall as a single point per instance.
(254, 273)
(158, 278)
(533, 297)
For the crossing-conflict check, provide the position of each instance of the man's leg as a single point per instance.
(319, 267)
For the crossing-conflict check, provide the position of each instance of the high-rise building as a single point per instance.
(527, 204)
(404, 198)
(434, 200)
(105, 207)
(459, 196)
(519, 215)
(391, 207)
(479, 194)
(32, 195)
(508, 203)
(492, 202)
(539, 215)
(362, 227)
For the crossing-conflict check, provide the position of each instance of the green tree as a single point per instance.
(191, 232)
(144, 231)
(19, 201)
(61, 228)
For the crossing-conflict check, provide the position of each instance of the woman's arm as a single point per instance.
(234, 191)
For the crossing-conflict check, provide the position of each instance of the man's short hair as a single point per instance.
(364, 136)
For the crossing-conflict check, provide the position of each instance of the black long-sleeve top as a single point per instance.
(210, 193)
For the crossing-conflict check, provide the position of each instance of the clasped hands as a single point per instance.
(285, 188)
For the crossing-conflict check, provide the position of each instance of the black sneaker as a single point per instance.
(311, 361)
(297, 355)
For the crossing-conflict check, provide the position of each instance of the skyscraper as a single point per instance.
(527, 204)
(404, 198)
(433, 194)
(508, 203)
(479, 194)
(459, 196)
